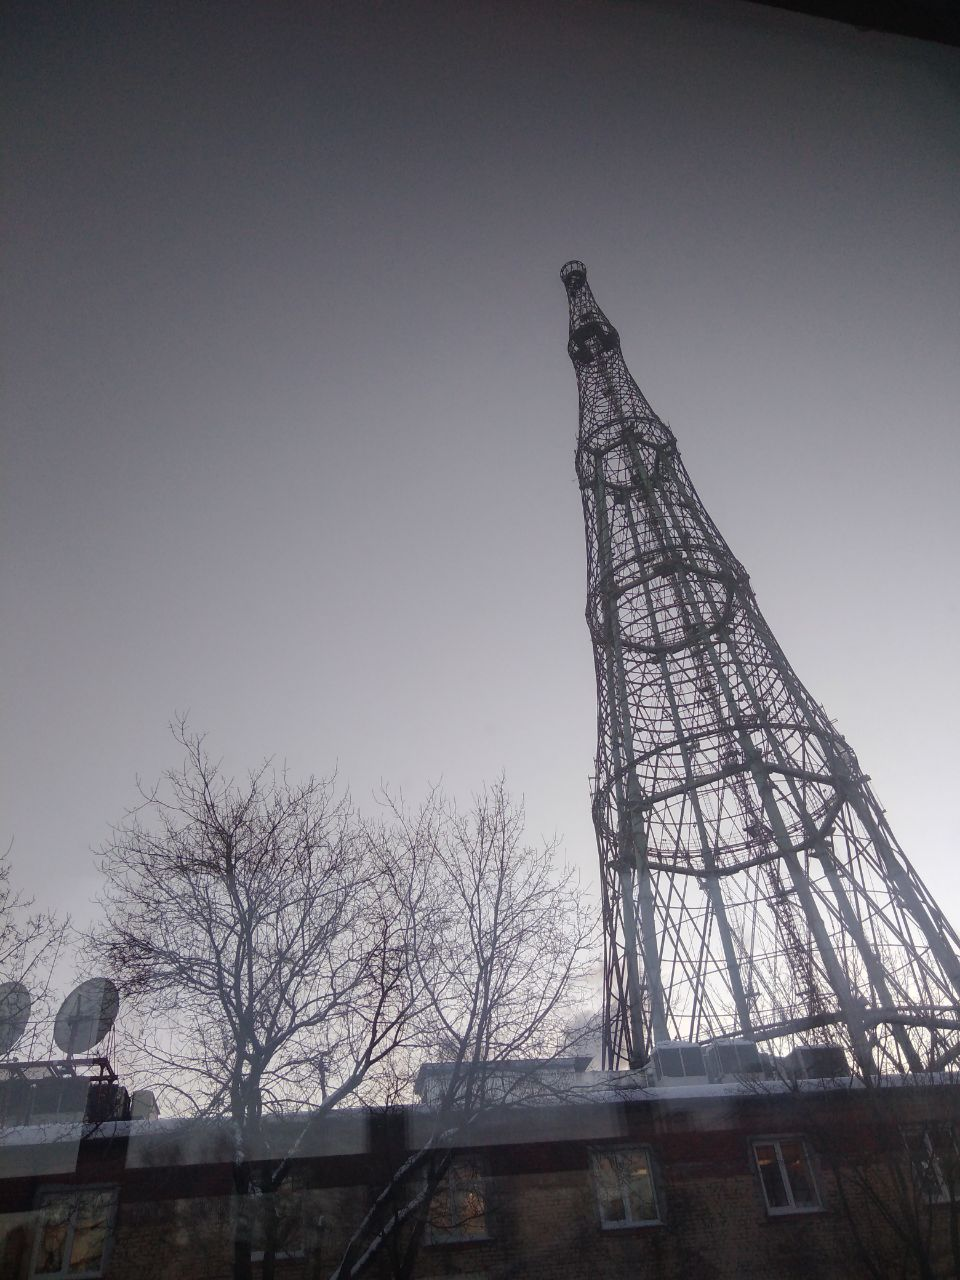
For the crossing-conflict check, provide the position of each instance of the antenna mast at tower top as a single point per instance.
(751, 885)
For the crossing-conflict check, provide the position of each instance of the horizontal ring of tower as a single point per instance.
(717, 741)
(608, 431)
(658, 631)
(573, 273)
(694, 864)
(661, 566)
(808, 834)
(821, 785)
(652, 626)
(611, 448)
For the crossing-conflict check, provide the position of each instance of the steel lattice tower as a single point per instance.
(751, 885)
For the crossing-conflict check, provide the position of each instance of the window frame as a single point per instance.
(51, 1193)
(597, 1154)
(932, 1157)
(439, 1235)
(290, 1193)
(791, 1208)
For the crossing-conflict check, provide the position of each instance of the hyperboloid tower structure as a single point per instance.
(752, 888)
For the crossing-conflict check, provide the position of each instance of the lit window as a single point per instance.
(785, 1175)
(74, 1232)
(934, 1160)
(624, 1180)
(458, 1210)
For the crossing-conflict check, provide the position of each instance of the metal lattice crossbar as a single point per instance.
(751, 884)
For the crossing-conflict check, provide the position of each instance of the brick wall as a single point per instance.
(175, 1211)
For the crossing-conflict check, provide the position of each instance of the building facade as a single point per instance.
(751, 1178)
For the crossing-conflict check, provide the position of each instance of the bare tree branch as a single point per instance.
(502, 946)
(261, 939)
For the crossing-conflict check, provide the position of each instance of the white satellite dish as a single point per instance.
(86, 1015)
(15, 1005)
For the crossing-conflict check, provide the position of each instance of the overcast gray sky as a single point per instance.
(289, 420)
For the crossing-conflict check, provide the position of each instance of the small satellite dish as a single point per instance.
(86, 1015)
(14, 1011)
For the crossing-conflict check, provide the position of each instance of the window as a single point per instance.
(458, 1210)
(278, 1221)
(679, 1060)
(785, 1175)
(623, 1177)
(74, 1232)
(934, 1160)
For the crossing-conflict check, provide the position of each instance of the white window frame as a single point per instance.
(628, 1221)
(791, 1207)
(447, 1192)
(51, 1194)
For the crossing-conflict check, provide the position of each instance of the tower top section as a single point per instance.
(590, 331)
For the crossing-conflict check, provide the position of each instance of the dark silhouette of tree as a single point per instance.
(31, 942)
(282, 956)
(503, 946)
(263, 942)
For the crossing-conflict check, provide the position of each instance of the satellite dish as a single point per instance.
(14, 1011)
(86, 1015)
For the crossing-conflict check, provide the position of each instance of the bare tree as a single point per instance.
(894, 1159)
(899, 1190)
(503, 946)
(31, 942)
(264, 942)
